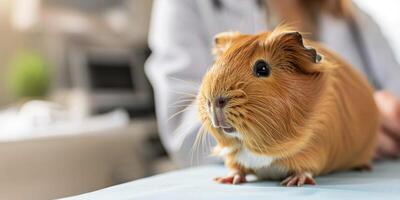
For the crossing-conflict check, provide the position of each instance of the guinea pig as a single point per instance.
(285, 108)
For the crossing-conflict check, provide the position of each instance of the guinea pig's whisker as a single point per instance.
(192, 83)
(179, 112)
(235, 112)
(209, 145)
(195, 147)
(236, 102)
(180, 106)
(267, 130)
(183, 101)
(272, 124)
(179, 130)
(254, 140)
(193, 98)
(197, 144)
(257, 144)
(264, 130)
(187, 97)
(184, 93)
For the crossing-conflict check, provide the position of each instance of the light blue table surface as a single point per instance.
(196, 183)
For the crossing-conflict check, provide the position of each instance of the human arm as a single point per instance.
(180, 57)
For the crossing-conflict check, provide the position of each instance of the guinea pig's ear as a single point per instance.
(293, 43)
(222, 41)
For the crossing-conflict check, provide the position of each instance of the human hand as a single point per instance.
(389, 131)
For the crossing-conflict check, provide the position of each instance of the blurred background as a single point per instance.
(76, 111)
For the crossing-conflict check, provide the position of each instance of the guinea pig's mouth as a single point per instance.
(229, 130)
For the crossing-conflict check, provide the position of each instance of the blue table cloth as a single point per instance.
(196, 183)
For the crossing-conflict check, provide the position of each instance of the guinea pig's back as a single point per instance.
(353, 117)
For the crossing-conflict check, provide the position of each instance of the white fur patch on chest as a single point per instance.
(225, 151)
(273, 172)
(252, 160)
(262, 165)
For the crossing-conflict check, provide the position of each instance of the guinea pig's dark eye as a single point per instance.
(261, 69)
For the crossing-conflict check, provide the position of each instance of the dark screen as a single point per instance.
(110, 75)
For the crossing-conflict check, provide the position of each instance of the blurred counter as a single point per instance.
(71, 157)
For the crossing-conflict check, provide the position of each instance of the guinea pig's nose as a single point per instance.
(220, 102)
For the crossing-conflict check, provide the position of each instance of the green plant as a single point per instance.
(29, 75)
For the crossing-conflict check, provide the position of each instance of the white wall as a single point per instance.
(387, 14)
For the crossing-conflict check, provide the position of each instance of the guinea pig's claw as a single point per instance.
(231, 179)
(299, 180)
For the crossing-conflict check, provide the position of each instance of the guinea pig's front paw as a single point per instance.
(299, 180)
(232, 178)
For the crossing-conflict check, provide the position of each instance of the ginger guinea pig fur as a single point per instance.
(282, 107)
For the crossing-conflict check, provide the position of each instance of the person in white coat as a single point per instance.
(181, 36)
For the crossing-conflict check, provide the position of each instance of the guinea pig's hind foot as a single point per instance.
(299, 180)
(232, 178)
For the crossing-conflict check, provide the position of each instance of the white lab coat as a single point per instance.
(181, 36)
